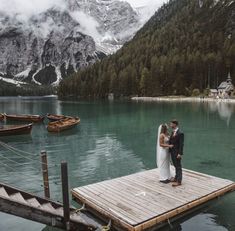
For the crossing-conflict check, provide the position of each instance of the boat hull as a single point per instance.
(25, 118)
(15, 130)
(53, 118)
(62, 125)
(1, 117)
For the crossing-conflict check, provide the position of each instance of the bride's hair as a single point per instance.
(163, 129)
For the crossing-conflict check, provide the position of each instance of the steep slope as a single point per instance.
(185, 45)
(46, 47)
(43, 49)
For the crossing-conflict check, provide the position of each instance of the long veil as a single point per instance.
(158, 144)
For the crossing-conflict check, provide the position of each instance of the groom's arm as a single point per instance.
(181, 143)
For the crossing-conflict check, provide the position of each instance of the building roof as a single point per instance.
(229, 88)
(213, 91)
(227, 85)
(223, 85)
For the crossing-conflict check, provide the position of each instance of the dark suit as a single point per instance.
(178, 141)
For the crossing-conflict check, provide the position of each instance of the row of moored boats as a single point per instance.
(57, 123)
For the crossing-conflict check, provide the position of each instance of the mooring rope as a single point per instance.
(107, 227)
(14, 169)
(55, 181)
(18, 150)
(19, 164)
(9, 148)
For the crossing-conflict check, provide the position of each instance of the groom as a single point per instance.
(177, 140)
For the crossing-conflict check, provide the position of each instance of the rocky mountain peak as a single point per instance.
(46, 47)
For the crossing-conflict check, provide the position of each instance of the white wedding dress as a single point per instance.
(163, 159)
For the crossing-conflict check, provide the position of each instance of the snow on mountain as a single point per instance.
(44, 43)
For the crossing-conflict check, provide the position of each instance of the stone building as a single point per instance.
(224, 90)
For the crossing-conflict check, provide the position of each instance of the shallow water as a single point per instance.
(115, 139)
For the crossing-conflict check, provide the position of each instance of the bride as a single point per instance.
(163, 155)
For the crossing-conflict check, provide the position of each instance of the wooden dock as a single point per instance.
(140, 202)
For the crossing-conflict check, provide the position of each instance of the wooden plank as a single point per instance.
(84, 199)
(206, 175)
(168, 191)
(48, 207)
(23, 210)
(121, 197)
(203, 185)
(196, 189)
(144, 207)
(188, 184)
(3, 192)
(19, 203)
(130, 195)
(212, 180)
(206, 179)
(117, 199)
(18, 197)
(184, 208)
(111, 207)
(105, 189)
(155, 197)
(187, 187)
(60, 211)
(33, 202)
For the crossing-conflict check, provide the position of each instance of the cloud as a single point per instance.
(146, 8)
(139, 3)
(24, 9)
(87, 23)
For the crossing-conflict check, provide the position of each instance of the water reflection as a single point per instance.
(12, 105)
(194, 222)
(225, 110)
(102, 158)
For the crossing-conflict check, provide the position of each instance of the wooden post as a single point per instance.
(45, 174)
(65, 191)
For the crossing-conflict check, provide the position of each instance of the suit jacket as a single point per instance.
(178, 142)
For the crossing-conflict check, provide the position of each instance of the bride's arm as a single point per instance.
(162, 143)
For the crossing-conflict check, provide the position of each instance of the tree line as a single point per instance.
(8, 89)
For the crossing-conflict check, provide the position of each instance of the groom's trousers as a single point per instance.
(178, 167)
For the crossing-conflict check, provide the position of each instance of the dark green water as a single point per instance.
(116, 139)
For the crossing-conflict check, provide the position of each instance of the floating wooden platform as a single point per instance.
(139, 201)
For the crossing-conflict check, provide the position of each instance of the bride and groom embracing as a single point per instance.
(170, 147)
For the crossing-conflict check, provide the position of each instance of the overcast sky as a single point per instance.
(137, 3)
(26, 8)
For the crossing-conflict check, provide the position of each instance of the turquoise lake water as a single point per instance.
(115, 139)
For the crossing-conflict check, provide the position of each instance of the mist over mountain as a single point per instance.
(45, 41)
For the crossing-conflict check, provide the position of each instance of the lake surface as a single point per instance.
(116, 139)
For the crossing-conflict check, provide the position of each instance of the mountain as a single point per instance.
(46, 47)
(186, 45)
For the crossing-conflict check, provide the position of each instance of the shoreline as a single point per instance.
(181, 99)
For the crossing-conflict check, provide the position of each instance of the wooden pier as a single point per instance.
(20, 203)
(44, 210)
(140, 202)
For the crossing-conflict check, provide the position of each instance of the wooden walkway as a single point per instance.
(20, 203)
(139, 201)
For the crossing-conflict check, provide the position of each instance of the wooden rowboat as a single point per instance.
(63, 124)
(7, 130)
(53, 117)
(25, 118)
